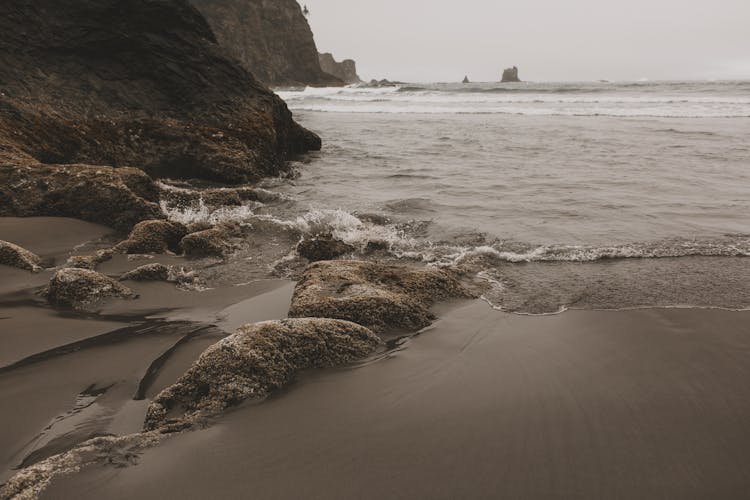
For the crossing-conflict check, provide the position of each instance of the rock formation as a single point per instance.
(270, 38)
(323, 247)
(466, 79)
(256, 360)
(140, 83)
(378, 296)
(345, 70)
(510, 75)
(14, 256)
(153, 236)
(84, 289)
(214, 242)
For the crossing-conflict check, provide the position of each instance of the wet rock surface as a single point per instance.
(256, 360)
(153, 236)
(378, 296)
(214, 242)
(322, 247)
(90, 261)
(84, 289)
(16, 256)
(139, 83)
(117, 198)
(148, 272)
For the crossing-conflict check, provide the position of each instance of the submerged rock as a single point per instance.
(256, 360)
(510, 75)
(153, 236)
(214, 242)
(323, 247)
(118, 198)
(375, 295)
(14, 256)
(84, 289)
(90, 261)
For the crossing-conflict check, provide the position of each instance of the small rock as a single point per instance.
(323, 247)
(15, 256)
(149, 272)
(256, 360)
(84, 289)
(214, 242)
(153, 236)
(90, 261)
(378, 296)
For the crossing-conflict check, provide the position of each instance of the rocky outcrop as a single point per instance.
(256, 360)
(510, 75)
(14, 256)
(141, 83)
(466, 79)
(323, 247)
(84, 289)
(153, 236)
(345, 70)
(378, 296)
(270, 38)
(149, 272)
(117, 198)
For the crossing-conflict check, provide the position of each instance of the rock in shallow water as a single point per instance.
(323, 247)
(375, 295)
(15, 256)
(153, 236)
(149, 272)
(213, 242)
(84, 289)
(255, 360)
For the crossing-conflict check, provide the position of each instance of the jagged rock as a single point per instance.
(272, 39)
(113, 197)
(219, 197)
(139, 83)
(15, 256)
(213, 242)
(90, 261)
(345, 70)
(510, 75)
(466, 79)
(149, 272)
(256, 360)
(84, 289)
(323, 247)
(378, 296)
(153, 236)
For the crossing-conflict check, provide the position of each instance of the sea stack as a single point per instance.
(466, 79)
(345, 70)
(510, 75)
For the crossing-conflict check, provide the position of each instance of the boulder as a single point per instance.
(140, 83)
(214, 242)
(84, 289)
(323, 247)
(378, 296)
(510, 75)
(90, 261)
(15, 256)
(256, 360)
(104, 195)
(153, 236)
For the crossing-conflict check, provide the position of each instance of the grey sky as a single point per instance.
(440, 40)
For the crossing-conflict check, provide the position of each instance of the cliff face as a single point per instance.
(271, 38)
(138, 83)
(345, 70)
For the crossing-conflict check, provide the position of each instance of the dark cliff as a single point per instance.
(510, 75)
(271, 38)
(345, 70)
(137, 83)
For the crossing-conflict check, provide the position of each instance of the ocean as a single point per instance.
(556, 195)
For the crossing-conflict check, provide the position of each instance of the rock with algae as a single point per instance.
(254, 361)
(378, 296)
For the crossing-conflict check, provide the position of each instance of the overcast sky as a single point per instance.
(440, 40)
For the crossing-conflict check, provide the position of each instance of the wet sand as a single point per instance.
(649, 403)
